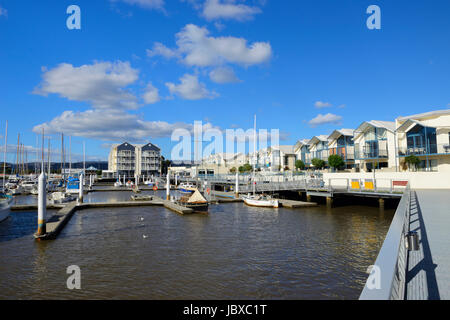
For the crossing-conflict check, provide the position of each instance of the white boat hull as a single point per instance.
(4, 214)
(261, 203)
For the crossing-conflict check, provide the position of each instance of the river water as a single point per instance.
(234, 252)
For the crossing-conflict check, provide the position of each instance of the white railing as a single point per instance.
(388, 275)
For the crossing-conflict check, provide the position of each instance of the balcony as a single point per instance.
(432, 149)
(321, 154)
(371, 152)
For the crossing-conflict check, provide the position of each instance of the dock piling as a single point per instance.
(168, 186)
(81, 188)
(42, 205)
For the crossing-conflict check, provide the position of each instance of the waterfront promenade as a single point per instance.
(428, 276)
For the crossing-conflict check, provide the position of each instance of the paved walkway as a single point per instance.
(428, 275)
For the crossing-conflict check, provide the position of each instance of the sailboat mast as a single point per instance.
(42, 160)
(4, 155)
(48, 158)
(84, 157)
(70, 155)
(254, 157)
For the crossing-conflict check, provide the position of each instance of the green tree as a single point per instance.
(412, 161)
(299, 164)
(233, 170)
(335, 161)
(318, 163)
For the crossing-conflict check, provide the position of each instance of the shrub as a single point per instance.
(335, 161)
(318, 163)
(299, 164)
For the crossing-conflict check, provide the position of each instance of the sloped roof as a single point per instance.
(426, 114)
(317, 139)
(342, 132)
(388, 125)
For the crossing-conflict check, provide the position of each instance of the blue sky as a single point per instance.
(137, 69)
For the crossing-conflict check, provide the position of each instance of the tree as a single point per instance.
(245, 168)
(412, 161)
(233, 170)
(318, 163)
(299, 164)
(335, 161)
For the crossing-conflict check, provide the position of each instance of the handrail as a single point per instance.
(391, 262)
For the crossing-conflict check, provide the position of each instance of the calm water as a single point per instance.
(235, 252)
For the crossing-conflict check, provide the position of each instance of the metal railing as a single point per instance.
(391, 263)
(361, 185)
(371, 153)
(443, 148)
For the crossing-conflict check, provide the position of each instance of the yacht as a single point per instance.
(60, 197)
(260, 201)
(5, 204)
(187, 187)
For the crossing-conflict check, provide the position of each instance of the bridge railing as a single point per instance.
(377, 185)
(388, 275)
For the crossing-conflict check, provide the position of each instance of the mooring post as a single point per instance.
(381, 203)
(176, 180)
(42, 205)
(81, 189)
(329, 201)
(168, 186)
(237, 185)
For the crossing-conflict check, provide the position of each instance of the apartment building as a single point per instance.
(427, 136)
(133, 159)
(375, 146)
(318, 147)
(340, 142)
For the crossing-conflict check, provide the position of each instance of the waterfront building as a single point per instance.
(133, 159)
(301, 150)
(375, 146)
(318, 147)
(340, 142)
(282, 158)
(427, 136)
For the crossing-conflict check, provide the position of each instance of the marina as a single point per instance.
(195, 150)
(260, 260)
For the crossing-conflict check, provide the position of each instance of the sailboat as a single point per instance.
(196, 202)
(258, 200)
(5, 200)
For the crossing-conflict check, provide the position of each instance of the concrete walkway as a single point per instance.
(428, 275)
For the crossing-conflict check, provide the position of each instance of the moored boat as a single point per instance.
(260, 201)
(187, 188)
(196, 202)
(5, 204)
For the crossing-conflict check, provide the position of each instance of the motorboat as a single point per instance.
(60, 197)
(118, 184)
(187, 187)
(260, 201)
(5, 204)
(196, 202)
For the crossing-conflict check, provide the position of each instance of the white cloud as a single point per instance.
(102, 84)
(146, 4)
(161, 50)
(197, 48)
(151, 94)
(216, 9)
(110, 126)
(223, 75)
(328, 118)
(190, 88)
(320, 105)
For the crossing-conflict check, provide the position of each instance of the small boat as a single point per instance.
(61, 197)
(28, 185)
(196, 202)
(118, 184)
(141, 198)
(5, 204)
(260, 201)
(129, 184)
(187, 188)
